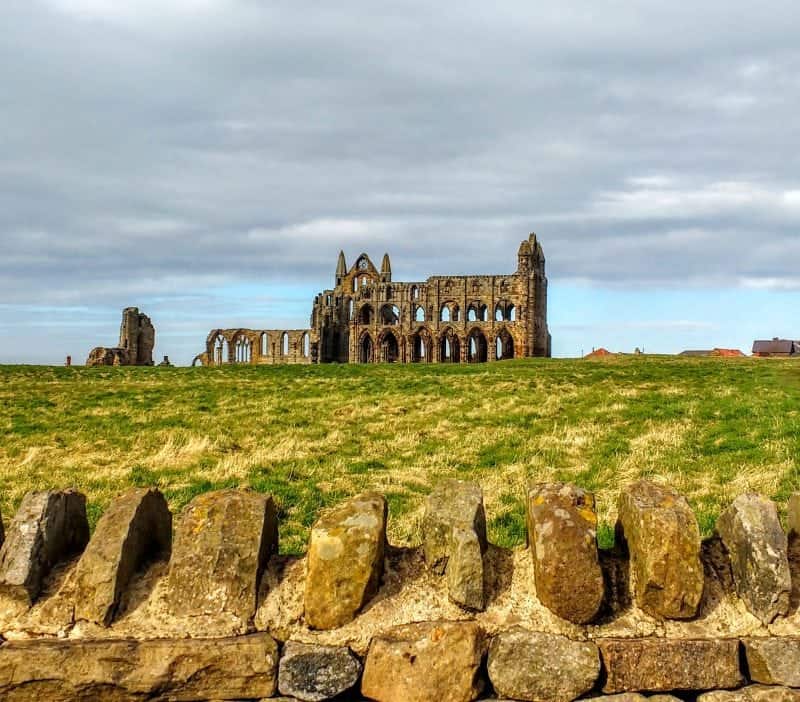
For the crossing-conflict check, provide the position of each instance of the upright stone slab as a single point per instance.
(774, 660)
(663, 540)
(427, 662)
(49, 527)
(313, 673)
(454, 539)
(758, 548)
(134, 530)
(528, 665)
(55, 670)
(664, 665)
(562, 531)
(345, 560)
(222, 543)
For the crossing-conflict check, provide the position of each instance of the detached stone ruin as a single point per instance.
(137, 338)
(209, 610)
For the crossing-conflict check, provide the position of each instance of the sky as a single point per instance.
(206, 160)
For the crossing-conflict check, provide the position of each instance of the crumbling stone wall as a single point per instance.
(369, 318)
(257, 346)
(137, 338)
(208, 609)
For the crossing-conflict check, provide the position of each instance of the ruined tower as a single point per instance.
(137, 338)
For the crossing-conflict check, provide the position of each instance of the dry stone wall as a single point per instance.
(209, 610)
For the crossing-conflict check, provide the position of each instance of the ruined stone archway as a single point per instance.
(366, 349)
(504, 346)
(449, 348)
(390, 349)
(477, 347)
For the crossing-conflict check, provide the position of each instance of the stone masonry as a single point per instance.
(137, 338)
(369, 318)
(224, 616)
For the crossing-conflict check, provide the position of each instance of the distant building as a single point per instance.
(599, 353)
(780, 348)
(713, 353)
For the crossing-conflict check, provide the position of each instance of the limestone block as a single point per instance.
(177, 669)
(663, 540)
(758, 548)
(562, 530)
(636, 697)
(454, 539)
(313, 673)
(345, 560)
(222, 543)
(426, 662)
(665, 665)
(793, 514)
(465, 569)
(774, 661)
(527, 665)
(752, 693)
(135, 529)
(48, 528)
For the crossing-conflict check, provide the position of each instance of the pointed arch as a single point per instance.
(366, 349)
(477, 347)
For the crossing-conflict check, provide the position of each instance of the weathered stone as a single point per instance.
(758, 547)
(426, 662)
(176, 669)
(48, 528)
(774, 660)
(137, 337)
(636, 697)
(793, 514)
(454, 539)
(663, 539)
(752, 693)
(364, 306)
(465, 569)
(134, 530)
(345, 560)
(562, 530)
(223, 541)
(527, 665)
(2, 532)
(664, 665)
(311, 672)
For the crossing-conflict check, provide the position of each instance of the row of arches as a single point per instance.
(240, 348)
(505, 311)
(421, 347)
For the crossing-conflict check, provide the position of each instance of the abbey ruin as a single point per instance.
(369, 318)
(137, 338)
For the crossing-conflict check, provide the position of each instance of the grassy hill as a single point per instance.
(311, 435)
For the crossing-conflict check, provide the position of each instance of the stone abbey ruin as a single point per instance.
(207, 609)
(137, 338)
(369, 318)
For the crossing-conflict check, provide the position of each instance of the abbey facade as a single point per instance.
(369, 318)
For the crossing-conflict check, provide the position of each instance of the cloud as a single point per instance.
(155, 150)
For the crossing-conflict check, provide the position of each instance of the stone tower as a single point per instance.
(137, 336)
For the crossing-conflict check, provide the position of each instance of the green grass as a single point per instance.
(312, 435)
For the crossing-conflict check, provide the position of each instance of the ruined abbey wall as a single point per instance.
(367, 317)
(256, 346)
(137, 339)
(207, 609)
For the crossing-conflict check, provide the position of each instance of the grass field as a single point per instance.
(314, 434)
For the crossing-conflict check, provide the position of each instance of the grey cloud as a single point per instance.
(167, 148)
